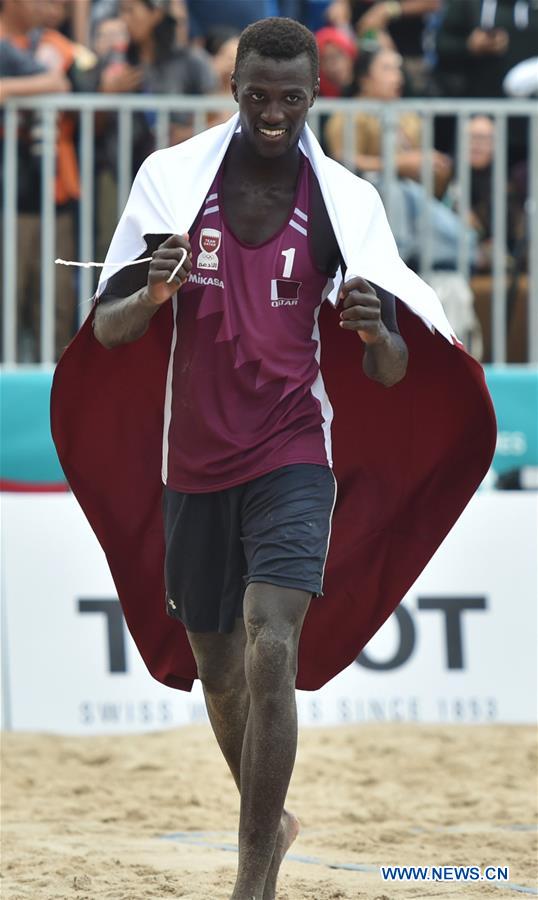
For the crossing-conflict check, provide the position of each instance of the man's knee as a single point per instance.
(273, 622)
(221, 669)
(271, 660)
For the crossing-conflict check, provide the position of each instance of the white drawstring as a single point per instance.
(131, 262)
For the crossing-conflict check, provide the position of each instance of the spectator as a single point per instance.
(55, 14)
(481, 130)
(221, 44)
(405, 22)
(479, 41)
(110, 40)
(61, 53)
(102, 9)
(178, 9)
(379, 76)
(157, 65)
(481, 143)
(22, 76)
(337, 53)
(51, 52)
(71, 17)
(152, 62)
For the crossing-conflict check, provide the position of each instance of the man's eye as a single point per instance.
(255, 96)
(292, 98)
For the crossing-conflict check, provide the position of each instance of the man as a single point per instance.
(253, 664)
(249, 493)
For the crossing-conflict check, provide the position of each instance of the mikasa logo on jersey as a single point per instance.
(206, 280)
(209, 244)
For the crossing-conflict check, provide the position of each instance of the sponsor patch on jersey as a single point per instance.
(206, 280)
(210, 239)
(284, 292)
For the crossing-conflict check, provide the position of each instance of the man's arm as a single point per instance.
(21, 75)
(380, 15)
(122, 319)
(29, 85)
(372, 314)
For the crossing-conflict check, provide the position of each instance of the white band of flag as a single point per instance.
(130, 262)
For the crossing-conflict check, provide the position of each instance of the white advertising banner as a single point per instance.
(460, 648)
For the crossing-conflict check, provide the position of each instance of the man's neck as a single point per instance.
(253, 166)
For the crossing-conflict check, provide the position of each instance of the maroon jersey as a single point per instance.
(244, 391)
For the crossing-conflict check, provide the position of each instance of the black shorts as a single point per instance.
(275, 529)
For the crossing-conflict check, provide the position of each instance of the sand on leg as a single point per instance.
(273, 620)
(220, 661)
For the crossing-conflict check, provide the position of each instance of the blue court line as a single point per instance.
(461, 829)
(198, 839)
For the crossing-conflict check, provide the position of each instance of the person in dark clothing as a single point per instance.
(479, 41)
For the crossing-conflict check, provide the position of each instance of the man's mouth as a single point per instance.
(272, 133)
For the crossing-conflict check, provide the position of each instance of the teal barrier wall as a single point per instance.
(514, 390)
(27, 454)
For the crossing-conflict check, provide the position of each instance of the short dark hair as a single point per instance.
(278, 38)
(368, 51)
(164, 35)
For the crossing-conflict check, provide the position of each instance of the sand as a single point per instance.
(83, 818)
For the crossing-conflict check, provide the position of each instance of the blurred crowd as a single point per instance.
(368, 48)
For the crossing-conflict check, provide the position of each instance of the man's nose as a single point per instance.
(273, 113)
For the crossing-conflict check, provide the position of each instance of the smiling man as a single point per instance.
(229, 348)
(249, 489)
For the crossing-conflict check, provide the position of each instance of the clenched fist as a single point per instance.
(163, 262)
(362, 311)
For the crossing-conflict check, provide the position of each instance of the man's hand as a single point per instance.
(484, 43)
(374, 319)
(120, 78)
(163, 263)
(362, 311)
(376, 18)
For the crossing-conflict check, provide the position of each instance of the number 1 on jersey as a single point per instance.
(289, 256)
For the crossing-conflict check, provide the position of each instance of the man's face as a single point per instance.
(274, 96)
(25, 12)
(52, 13)
(481, 142)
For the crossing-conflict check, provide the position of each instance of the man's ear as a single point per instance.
(315, 93)
(233, 85)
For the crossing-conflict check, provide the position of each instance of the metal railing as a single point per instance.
(87, 105)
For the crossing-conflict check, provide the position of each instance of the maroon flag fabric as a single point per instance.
(407, 460)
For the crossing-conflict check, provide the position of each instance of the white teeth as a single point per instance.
(272, 132)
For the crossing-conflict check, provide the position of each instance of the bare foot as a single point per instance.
(288, 831)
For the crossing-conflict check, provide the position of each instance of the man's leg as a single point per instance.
(220, 660)
(273, 620)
